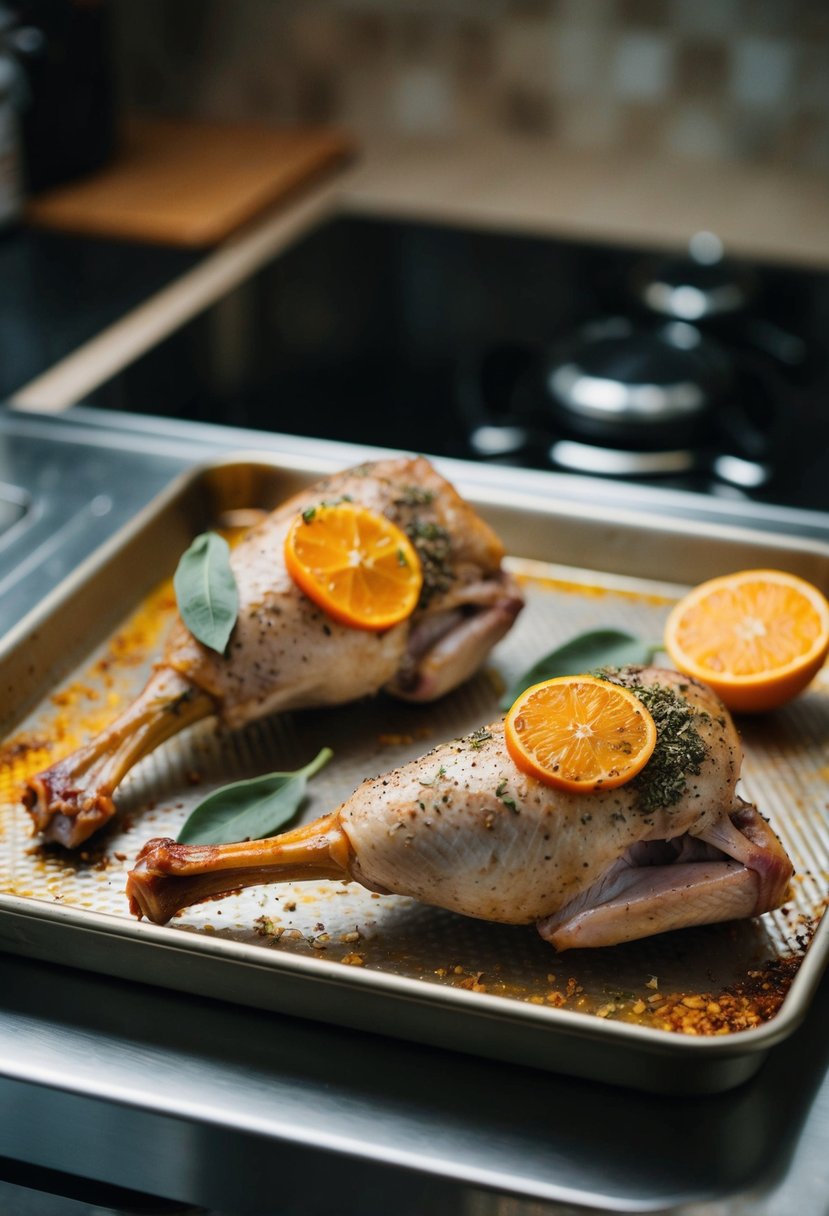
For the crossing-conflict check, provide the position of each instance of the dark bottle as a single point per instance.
(69, 122)
(11, 155)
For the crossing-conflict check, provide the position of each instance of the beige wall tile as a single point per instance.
(642, 66)
(722, 79)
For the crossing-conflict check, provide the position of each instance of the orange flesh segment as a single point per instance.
(356, 565)
(580, 733)
(756, 637)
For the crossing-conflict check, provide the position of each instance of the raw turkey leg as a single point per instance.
(284, 653)
(462, 828)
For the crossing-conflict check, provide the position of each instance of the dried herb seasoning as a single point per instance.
(309, 514)
(478, 738)
(432, 542)
(679, 750)
(415, 496)
(434, 548)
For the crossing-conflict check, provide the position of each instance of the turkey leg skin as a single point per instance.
(462, 828)
(284, 652)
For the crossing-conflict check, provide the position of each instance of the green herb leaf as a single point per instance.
(206, 593)
(250, 810)
(586, 652)
(478, 738)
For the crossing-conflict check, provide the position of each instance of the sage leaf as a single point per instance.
(585, 652)
(206, 593)
(252, 809)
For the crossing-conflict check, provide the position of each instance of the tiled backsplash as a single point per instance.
(708, 79)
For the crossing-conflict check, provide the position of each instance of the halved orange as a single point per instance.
(580, 733)
(356, 565)
(757, 637)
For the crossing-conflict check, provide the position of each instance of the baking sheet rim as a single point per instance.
(498, 1008)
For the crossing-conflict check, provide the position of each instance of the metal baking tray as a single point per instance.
(336, 953)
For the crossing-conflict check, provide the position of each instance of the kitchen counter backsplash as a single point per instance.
(721, 80)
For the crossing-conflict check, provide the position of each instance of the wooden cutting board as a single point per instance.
(190, 183)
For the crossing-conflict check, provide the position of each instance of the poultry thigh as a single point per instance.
(463, 828)
(286, 653)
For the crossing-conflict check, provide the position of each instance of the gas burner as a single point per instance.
(626, 400)
(624, 386)
(578, 457)
(720, 296)
(630, 401)
(623, 398)
(702, 285)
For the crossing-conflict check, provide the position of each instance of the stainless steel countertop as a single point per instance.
(243, 1111)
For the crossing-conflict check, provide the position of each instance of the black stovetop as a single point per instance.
(444, 340)
(58, 291)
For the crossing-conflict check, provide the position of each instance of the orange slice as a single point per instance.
(355, 564)
(757, 637)
(580, 733)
